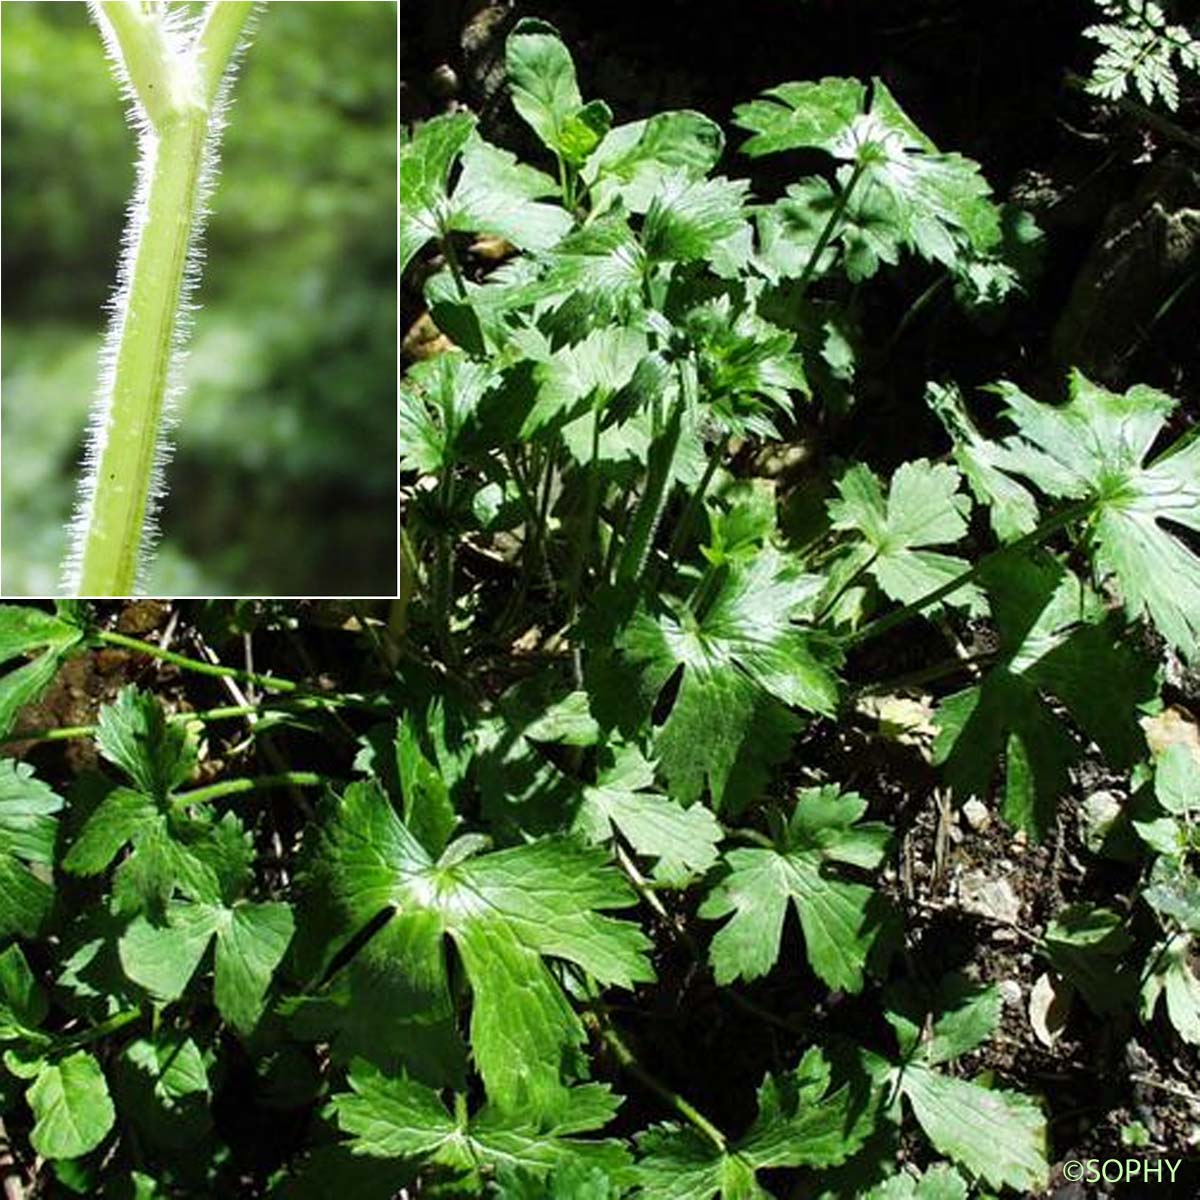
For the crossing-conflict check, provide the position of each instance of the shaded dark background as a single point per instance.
(283, 479)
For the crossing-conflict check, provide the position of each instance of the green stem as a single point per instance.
(855, 576)
(583, 542)
(98, 1032)
(271, 682)
(1050, 525)
(175, 92)
(679, 1103)
(696, 499)
(66, 733)
(235, 787)
(930, 674)
(659, 477)
(451, 256)
(831, 225)
(215, 44)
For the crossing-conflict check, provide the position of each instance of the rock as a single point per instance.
(1011, 993)
(976, 814)
(992, 898)
(1099, 811)
(1148, 246)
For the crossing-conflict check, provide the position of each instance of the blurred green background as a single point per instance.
(284, 472)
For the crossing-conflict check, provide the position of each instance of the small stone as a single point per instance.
(993, 898)
(976, 814)
(1010, 993)
(1099, 813)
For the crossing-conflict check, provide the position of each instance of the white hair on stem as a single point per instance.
(169, 58)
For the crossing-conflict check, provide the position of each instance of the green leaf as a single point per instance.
(122, 816)
(801, 116)
(937, 204)
(923, 508)
(28, 830)
(72, 1109)
(503, 912)
(1089, 946)
(570, 1180)
(689, 219)
(1011, 509)
(162, 958)
(592, 370)
(23, 1004)
(633, 160)
(400, 1118)
(800, 1123)
(162, 1086)
(542, 82)
(1171, 974)
(1094, 448)
(251, 940)
(1177, 779)
(743, 360)
(998, 1135)
(425, 162)
(841, 919)
(428, 811)
(940, 1182)
(134, 734)
(438, 400)
(683, 840)
(23, 629)
(496, 194)
(738, 657)
(583, 131)
(964, 1015)
(1055, 639)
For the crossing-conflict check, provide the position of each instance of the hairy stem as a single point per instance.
(175, 89)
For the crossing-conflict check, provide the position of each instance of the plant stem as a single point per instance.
(175, 92)
(831, 225)
(110, 1025)
(930, 674)
(270, 682)
(696, 499)
(583, 542)
(1051, 524)
(855, 576)
(659, 478)
(451, 256)
(234, 787)
(679, 1103)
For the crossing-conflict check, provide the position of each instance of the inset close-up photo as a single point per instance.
(198, 386)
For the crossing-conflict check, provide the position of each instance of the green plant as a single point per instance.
(1141, 48)
(667, 628)
(176, 78)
